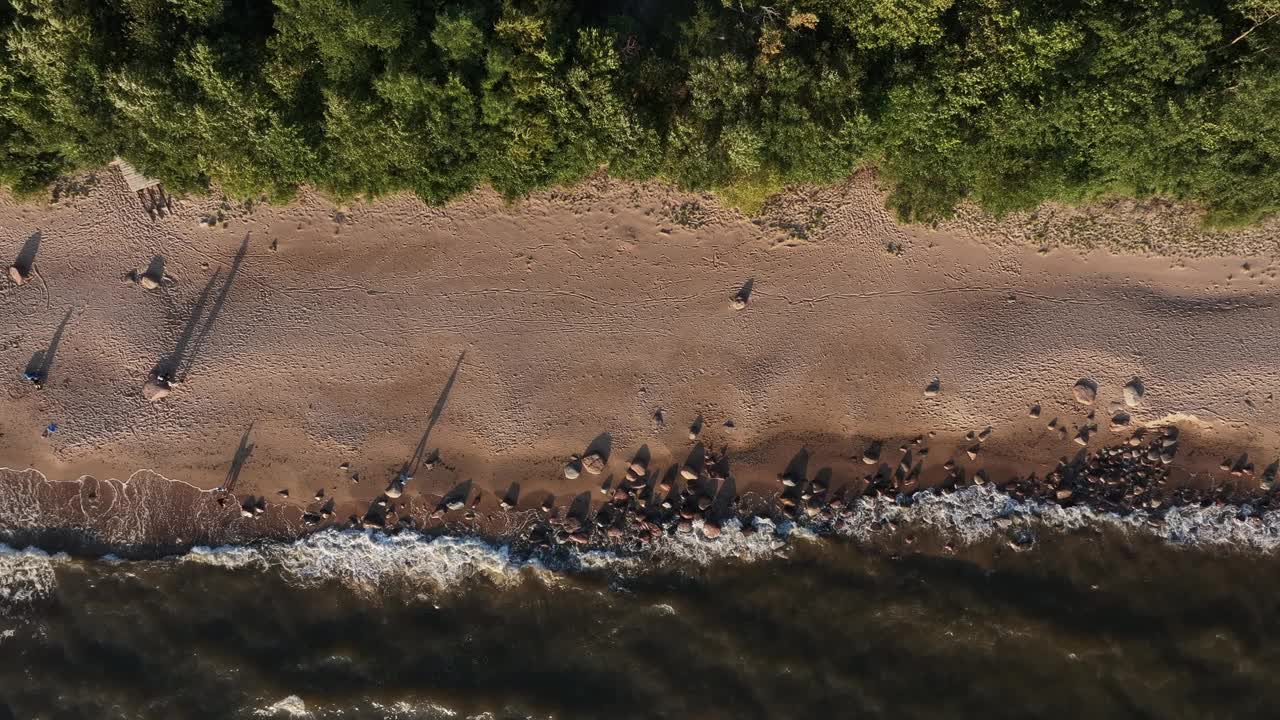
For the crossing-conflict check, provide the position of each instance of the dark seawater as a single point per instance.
(1084, 625)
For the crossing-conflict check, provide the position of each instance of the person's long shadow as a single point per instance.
(217, 308)
(42, 360)
(237, 462)
(414, 463)
(177, 365)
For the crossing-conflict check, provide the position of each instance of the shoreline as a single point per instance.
(1133, 486)
(319, 350)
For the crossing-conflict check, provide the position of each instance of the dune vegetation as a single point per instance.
(1008, 103)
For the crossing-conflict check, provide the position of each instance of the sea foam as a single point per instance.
(369, 561)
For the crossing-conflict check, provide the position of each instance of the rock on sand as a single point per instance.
(572, 470)
(155, 390)
(146, 282)
(1133, 392)
(1085, 391)
(593, 463)
(16, 275)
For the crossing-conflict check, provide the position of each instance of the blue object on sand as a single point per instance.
(53, 428)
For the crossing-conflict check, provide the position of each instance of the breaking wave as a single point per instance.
(368, 561)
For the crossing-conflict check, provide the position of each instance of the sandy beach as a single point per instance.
(318, 350)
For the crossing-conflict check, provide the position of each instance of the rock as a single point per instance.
(1085, 391)
(638, 468)
(1063, 495)
(1133, 392)
(972, 452)
(737, 303)
(155, 390)
(17, 275)
(1034, 412)
(688, 473)
(593, 463)
(711, 529)
(871, 455)
(394, 490)
(1082, 437)
(455, 504)
(933, 388)
(146, 282)
(982, 436)
(1119, 421)
(572, 470)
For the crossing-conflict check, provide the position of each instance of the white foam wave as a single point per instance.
(369, 561)
(26, 576)
(974, 513)
(292, 706)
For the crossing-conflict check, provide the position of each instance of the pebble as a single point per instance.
(933, 388)
(1034, 412)
(571, 470)
(16, 275)
(146, 282)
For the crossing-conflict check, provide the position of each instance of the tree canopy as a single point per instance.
(1006, 102)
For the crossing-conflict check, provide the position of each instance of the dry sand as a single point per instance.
(323, 338)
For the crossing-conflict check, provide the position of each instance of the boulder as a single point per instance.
(1133, 392)
(593, 463)
(1084, 391)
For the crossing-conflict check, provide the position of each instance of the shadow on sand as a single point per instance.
(177, 365)
(238, 460)
(414, 463)
(42, 360)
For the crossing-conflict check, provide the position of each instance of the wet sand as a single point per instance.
(323, 337)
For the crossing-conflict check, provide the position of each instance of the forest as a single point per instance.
(1007, 103)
